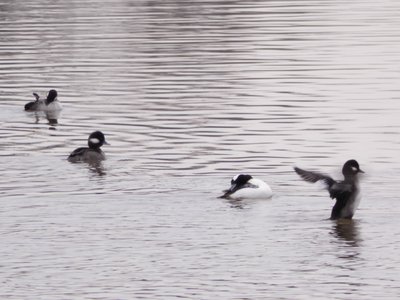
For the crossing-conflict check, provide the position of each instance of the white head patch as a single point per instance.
(94, 141)
(354, 169)
(235, 177)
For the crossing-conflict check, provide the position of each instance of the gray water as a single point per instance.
(188, 94)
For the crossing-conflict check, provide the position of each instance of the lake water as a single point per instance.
(188, 94)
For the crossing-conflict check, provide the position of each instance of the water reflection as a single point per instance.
(347, 231)
(235, 203)
(97, 168)
(194, 88)
(51, 117)
(243, 203)
(94, 167)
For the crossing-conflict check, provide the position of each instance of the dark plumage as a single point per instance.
(93, 153)
(346, 192)
(33, 105)
(51, 96)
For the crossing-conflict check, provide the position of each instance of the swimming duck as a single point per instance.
(244, 186)
(93, 153)
(51, 103)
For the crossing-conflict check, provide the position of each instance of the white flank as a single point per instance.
(262, 191)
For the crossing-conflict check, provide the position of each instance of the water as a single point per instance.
(189, 93)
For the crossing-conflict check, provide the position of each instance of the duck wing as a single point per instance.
(313, 177)
(337, 189)
(340, 190)
(77, 152)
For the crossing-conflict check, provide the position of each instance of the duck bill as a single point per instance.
(360, 171)
(107, 143)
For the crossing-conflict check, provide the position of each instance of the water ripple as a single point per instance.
(190, 93)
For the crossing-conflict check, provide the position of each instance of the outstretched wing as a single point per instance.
(337, 190)
(314, 177)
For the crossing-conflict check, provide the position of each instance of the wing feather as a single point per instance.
(336, 189)
(77, 152)
(313, 177)
(340, 190)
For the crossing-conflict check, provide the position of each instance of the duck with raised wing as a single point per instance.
(346, 192)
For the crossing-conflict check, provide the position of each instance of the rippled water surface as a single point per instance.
(189, 93)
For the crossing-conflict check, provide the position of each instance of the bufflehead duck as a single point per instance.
(244, 186)
(49, 104)
(346, 192)
(93, 153)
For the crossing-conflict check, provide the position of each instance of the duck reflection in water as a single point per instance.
(97, 168)
(51, 116)
(347, 234)
(347, 231)
(235, 203)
